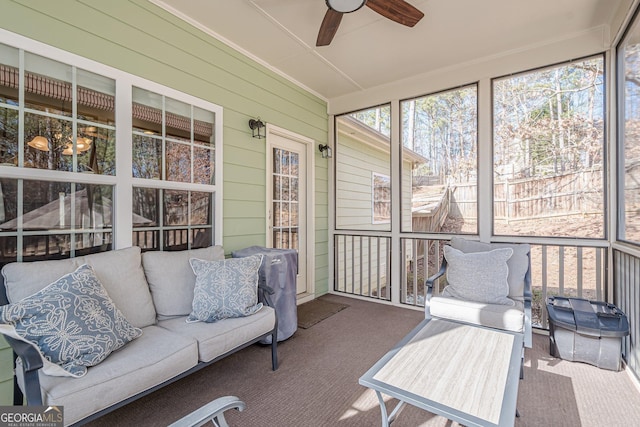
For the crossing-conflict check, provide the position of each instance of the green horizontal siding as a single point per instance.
(6, 373)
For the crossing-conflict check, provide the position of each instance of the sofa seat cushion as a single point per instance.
(499, 316)
(172, 280)
(120, 272)
(217, 338)
(153, 358)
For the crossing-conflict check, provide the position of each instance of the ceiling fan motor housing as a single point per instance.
(345, 6)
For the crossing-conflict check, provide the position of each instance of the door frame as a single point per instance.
(310, 202)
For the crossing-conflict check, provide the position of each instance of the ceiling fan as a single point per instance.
(397, 10)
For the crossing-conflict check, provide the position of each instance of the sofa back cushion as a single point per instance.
(518, 263)
(119, 271)
(172, 280)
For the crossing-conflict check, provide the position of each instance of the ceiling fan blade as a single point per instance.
(329, 26)
(397, 10)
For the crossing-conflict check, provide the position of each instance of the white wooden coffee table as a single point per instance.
(468, 374)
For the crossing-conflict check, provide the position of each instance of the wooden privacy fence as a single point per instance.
(535, 197)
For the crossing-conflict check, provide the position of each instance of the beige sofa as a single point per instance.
(154, 291)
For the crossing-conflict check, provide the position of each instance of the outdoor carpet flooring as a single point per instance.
(316, 384)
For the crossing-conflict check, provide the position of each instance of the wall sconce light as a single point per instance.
(325, 150)
(257, 126)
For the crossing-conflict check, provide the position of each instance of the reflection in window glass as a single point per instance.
(49, 85)
(549, 152)
(46, 139)
(182, 132)
(203, 165)
(362, 149)
(439, 162)
(178, 162)
(286, 207)
(49, 120)
(9, 116)
(629, 197)
(147, 157)
(57, 219)
(95, 144)
(381, 187)
(172, 219)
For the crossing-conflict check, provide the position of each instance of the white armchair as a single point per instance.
(475, 291)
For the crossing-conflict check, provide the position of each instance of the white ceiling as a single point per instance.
(370, 50)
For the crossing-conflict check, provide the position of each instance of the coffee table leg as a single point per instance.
(383, 410)
(388, 419)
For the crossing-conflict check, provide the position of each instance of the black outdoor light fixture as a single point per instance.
(257, 126)
(325, 150)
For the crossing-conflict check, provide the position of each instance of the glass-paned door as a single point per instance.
(287, 213)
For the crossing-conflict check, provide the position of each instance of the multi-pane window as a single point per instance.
(59, 119)
(629, 135)
(173, 141)
(363, 152)
(439, 162)
(381, 195)
(549, 165)
(67, 116)
(171, 219)
(59, 181)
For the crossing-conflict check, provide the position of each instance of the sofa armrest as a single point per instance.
(30, 363)
(429, 284)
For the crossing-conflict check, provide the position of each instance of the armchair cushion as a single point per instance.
(518, 263)
(478, 276)
(499, 316)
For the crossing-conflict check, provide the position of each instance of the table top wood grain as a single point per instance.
(461, 371)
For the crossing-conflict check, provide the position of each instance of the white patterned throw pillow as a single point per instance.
(225, 288)
(72, 322)
(478, 276)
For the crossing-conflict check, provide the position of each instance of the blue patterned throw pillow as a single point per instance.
(225, 288)
(72, 322)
